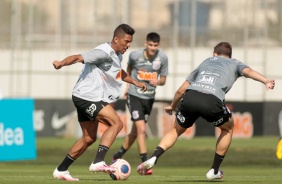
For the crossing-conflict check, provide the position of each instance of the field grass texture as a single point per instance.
(248, 161)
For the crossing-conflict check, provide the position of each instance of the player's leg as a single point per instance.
(144, 113)
(138, 131)
(184, 119)
(131, 101)
(141, 142)
(222, 146)
(127, 142)
(109, 117)
(225, 137)
(166, 143)
(140, 110)
(89, 129)
(89, 136)
(141, 138)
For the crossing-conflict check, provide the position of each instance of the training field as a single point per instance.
(248, 161)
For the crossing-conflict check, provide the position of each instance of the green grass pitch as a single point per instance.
(248, 161)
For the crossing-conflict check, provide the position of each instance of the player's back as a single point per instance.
(216, 75)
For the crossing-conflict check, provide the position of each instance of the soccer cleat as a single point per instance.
(117, 156)
(145, 167)
(149, 172)
(279, 149)
(63, 175)
(210, 175)
(101, 167)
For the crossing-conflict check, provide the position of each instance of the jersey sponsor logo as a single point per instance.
(119, 75)
(215, 123)
(147, 76)
(207, 79)
(156, 65)
(209, 73)
(135, 114)
(91, 109)
(142, 62)
(111, 97)
(204, 87)
(148, 92)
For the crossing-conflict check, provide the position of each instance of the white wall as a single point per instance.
(37, 78)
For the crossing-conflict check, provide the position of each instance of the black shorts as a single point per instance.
(195, 104)
(140, 109)
(87, 110)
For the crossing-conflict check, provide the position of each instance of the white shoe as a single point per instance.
(101, 167)
(63, 175)
(210, 175)
(144, 167)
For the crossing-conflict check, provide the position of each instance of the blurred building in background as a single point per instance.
(33, 33)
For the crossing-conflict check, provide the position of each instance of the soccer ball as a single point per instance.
(123, 169)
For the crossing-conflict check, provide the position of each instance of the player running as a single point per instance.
(203, 95)
(98, 85)
(149, 65)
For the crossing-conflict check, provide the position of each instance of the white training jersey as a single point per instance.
(100, 79)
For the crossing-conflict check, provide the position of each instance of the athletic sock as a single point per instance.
(157, 153)
(101, 153)
(143, 157)
(216, 162)
(120, 153)
(66, 163)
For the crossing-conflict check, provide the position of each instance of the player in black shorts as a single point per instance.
(208, 106)
(150, 66)
(203, 95)
(98, 86)
(142, 107)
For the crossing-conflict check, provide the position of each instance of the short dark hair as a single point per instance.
(124, 29)
(223, 48)
(154, 37)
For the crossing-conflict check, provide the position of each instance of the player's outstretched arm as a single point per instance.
(68, 61)
(249, 73)
(177, 97)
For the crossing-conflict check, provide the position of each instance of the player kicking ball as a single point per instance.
(98, 86)
(203, 95)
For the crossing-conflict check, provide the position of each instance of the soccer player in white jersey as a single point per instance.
(98, 85)
(149, 65)
(203, 95)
